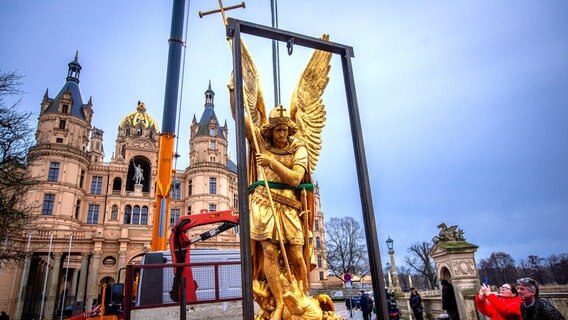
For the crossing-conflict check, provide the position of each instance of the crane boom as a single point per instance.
(167, 136)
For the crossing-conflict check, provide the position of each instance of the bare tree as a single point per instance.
(15, 181)
(557, 266)
(499, 268)
(421, 262)
(345, 249)
(533, 267)
(403, 275)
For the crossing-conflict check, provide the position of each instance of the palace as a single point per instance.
(95, 217)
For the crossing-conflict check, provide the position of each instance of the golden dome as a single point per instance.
(140, 117)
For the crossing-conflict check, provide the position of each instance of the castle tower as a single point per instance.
(210, 181)
(59, 155)
(208, 139)
(136, 144)
(96, 151)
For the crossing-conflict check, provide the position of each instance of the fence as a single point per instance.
(148, 286)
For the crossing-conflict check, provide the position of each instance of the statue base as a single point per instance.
(138, 189)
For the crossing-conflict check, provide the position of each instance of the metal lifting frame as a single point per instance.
(234, 29)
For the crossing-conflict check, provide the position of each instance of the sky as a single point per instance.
(463, 104)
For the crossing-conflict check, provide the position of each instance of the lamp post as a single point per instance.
(390, 246)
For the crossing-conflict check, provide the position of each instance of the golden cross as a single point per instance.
(281, 109)
(222, 10)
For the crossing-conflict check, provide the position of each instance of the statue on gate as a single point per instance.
(452, 233)
(283, 152)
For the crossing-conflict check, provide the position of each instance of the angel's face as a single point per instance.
(280, 136)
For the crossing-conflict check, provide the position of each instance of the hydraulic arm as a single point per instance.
(180, 245)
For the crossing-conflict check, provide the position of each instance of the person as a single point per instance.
(4, 316)
(533, 307)
(416, 304)
(138, 174)
(366, 306)
(282, 161)
(504, 306)
(449, 300)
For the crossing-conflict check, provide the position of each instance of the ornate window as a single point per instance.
(81, 178)
(65, 108)
(127, 214)
(97, 185)
(93, 214)
(136, 215)
(144, 216)
(176, 192)
(114, 213)
(48, 201)
(212, 185)
(174, 216)
(53, 174)
(77, 209)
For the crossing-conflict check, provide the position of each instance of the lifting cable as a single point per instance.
(176, 155)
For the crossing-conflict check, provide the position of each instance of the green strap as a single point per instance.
(280, 185)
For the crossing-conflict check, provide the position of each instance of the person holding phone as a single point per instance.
(505, 305)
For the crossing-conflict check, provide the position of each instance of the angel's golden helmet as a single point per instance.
(279, 115)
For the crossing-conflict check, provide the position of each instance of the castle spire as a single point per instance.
(209, 97)
(74, 69)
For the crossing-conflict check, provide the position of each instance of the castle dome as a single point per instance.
(139, 118)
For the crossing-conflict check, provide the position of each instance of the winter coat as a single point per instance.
(366, 305)
(416, 302)
(449, 299)
(499, 308)
(540, 310)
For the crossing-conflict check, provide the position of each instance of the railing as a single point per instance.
(216, 282)
(57, 234)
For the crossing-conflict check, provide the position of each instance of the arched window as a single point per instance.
(136, 215)
(127, 214)
(114, 213)
(144, 216)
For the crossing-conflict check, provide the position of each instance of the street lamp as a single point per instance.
(390, 246)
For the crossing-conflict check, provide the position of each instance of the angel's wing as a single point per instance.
(253, 97)
(306, 107)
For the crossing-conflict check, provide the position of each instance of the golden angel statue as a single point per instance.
(283, 152)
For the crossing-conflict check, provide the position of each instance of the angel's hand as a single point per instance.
(263, 159)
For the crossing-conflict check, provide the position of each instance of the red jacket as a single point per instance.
(499, 308)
